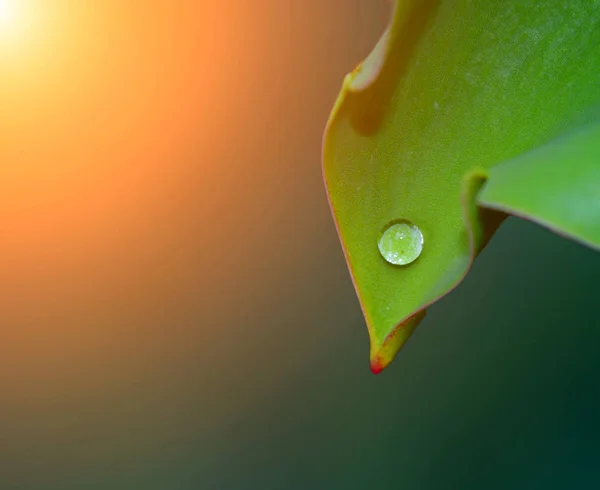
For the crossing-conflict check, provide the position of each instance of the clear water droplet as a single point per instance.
(400, 242)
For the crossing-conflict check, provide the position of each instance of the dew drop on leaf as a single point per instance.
(401, 242)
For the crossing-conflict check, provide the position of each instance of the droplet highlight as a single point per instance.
(400, 242)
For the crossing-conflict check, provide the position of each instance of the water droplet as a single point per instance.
(401, 242)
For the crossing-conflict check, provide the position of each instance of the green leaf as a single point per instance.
(556, 185)
(452, 91)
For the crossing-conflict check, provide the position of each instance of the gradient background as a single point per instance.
(175, 310)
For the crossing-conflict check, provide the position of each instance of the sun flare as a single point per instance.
(8, 15)
(20, 30)
(14, 20)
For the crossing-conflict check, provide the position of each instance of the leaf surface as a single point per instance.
(453, 90)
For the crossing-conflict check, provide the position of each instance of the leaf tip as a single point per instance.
(382, 354)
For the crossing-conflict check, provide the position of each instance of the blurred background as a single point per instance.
(175, 310)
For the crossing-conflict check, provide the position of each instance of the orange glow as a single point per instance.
(101, 105)
(119, 127)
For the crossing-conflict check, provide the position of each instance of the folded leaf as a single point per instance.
(452, 90)
(556, 185)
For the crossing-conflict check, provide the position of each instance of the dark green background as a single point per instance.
(255, 374)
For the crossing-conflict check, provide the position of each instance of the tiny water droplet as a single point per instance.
(400, 242)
